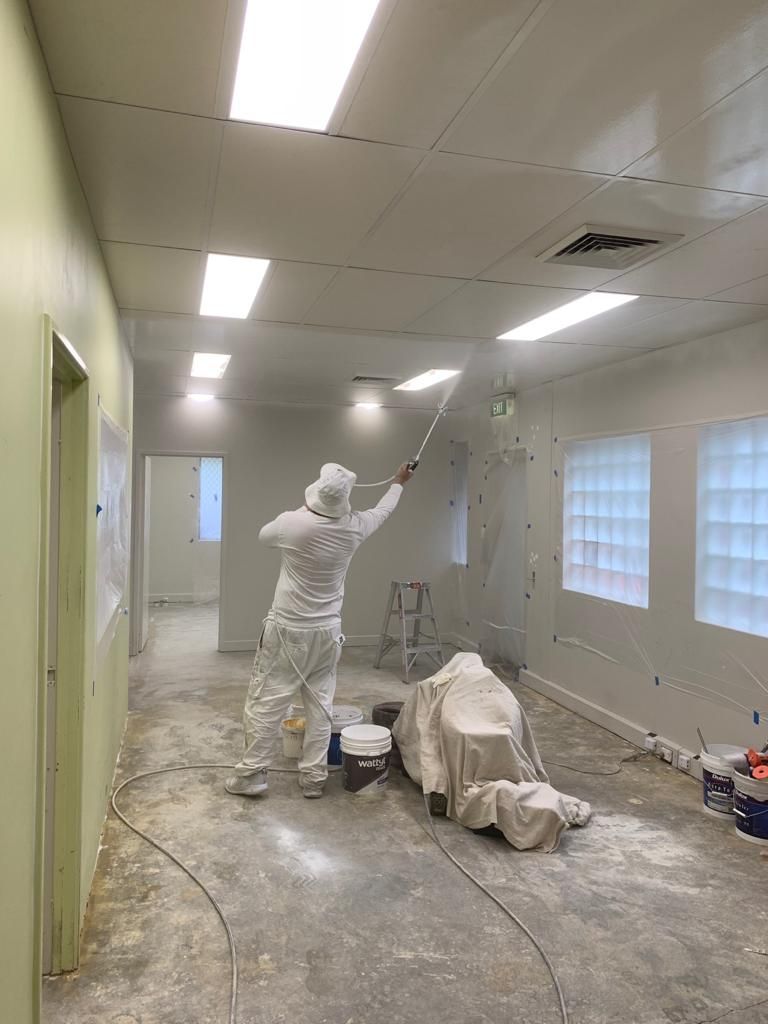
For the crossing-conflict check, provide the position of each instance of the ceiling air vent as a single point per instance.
(376, 382)
(607, 248)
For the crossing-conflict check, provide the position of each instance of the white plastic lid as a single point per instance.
(366, 733)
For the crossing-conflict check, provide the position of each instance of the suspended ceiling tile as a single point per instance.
(301, 195)
(752, 291)
(462, 214)
(731, 255)
(529, 364)
(291, 290)
(599, 83)
(150, 277)
(625, 203)
(146, 53)
(145, 172)
(693, 320)
(430, 59)
(378, 301)
(727, 148)
(485, 310)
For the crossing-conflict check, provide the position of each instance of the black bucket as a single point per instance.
(386, 714)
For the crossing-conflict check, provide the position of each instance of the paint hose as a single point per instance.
(233, 989)
(412, 463)
(502, 906)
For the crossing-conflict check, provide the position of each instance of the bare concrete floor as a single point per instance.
(345, 912)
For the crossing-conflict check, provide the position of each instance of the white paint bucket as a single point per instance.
(750, 805)
(365, 758)
(717, 768)
(293, 737)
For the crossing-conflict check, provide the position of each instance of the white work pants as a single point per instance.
(275, 684)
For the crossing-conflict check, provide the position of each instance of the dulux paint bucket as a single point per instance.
(365, 753)
(343, 715)
(717, 769)
(293, 737)
(750, 805)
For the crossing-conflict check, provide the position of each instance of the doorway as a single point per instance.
(505, 511)
(61, 672)
(178, 527)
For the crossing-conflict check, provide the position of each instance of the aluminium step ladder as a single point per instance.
(415, 642)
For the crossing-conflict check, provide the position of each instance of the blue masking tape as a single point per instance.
(756, 717)
(657, 680)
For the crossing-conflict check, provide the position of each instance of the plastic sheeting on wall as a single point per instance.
(112, 527)
(709, 539)
(504, 515)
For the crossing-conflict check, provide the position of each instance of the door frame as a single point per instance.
(137, 532)
(61, 360)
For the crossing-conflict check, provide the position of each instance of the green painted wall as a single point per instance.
(50, 263)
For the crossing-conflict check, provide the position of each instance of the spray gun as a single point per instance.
(413, 463)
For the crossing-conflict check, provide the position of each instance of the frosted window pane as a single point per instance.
(732, 526)
(210, 498)
(607, 490)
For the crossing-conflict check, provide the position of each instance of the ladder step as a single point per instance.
(414, 615)
(422, 647)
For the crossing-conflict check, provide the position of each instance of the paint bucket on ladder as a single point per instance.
(750, 805)
(717, 764)
(365, 753)
(293, 737)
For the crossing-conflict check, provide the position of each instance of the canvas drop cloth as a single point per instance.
(463, 734)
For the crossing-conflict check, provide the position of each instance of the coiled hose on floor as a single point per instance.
(223, 918)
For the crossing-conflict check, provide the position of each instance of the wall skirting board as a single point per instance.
(592, 712)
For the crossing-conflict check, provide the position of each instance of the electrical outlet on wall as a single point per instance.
(650, 742)
(667, 751)
(684, 760)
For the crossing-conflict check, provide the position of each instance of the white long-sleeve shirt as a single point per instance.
(316, 553)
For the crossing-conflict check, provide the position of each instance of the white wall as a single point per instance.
(182, 568)
(50, 262)
(271, 453)
(714, 378)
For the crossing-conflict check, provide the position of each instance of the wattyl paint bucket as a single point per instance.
(293, 737)
(344, 715)
(750, 805)
(718, 778)
(365, 758)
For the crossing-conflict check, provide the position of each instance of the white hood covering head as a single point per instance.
(329, 496)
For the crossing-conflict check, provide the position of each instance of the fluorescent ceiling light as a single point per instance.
(426, 380)
(367, 405)
(295, 56)
(201, 398)
(567, 315)
(231, 284)
(209, 364)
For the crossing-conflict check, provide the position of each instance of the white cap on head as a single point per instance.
(329, 496)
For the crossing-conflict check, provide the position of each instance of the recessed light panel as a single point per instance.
(367, 405)
(210, 365)
(295, 56)
(231, 284)
(426, 380)
(201, 398)
(566, 316)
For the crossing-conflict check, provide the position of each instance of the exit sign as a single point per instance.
(502, 407)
